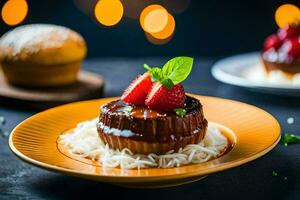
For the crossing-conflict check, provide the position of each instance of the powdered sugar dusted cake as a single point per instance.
(30, 39)
(45, 55)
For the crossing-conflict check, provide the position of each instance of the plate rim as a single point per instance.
(131, 178)
(231, 79)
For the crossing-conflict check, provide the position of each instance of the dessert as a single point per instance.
(145, 131)
(281, 53)
(153, 124)
(41, 55)
(154, 115)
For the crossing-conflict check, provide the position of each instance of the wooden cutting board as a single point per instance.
(88, 86)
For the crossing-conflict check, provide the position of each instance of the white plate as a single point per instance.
(232, 71)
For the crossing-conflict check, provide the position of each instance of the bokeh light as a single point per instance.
(14, 11)
(109, 12)
(167, 31)
(154, 18)
(158, 24)
(287, 14)
(156, 41)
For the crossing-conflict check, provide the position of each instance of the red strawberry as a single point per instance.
(137, 91)
(294, 50)
(162, 98)
(288, 32)
(272, 41)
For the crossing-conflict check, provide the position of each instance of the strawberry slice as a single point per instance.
(162, 98)
(137, 91)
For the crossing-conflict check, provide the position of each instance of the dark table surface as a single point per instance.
(19, 180)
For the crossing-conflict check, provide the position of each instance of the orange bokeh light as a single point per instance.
(156, 41)
(287, 14)
(14, 11)
(167, 31)
(154, 18)
(109, 12)
(158, 24)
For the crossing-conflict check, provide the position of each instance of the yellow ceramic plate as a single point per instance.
(253, 131)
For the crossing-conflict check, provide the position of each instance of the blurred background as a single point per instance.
(203, 28)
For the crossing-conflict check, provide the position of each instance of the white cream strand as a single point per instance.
(84, 141)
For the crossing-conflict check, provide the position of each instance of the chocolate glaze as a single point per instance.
(291, 66)
(151, 125)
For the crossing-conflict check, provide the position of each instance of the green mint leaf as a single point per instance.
(290, 139)
(147, 67)
(168, 83)
(178, 69)
(156, 74)
(180, 112)
(173, 72)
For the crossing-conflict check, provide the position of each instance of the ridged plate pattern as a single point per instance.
(254, 131)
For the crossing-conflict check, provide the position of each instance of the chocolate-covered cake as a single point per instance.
(154, 115)
(144, 130)
(282, 51)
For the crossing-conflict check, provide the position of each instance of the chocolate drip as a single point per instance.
(154, 126)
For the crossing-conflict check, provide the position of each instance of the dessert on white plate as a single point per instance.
(276, 69)
(280, 58)
(247, 71)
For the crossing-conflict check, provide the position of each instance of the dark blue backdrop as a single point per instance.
(206, 28)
